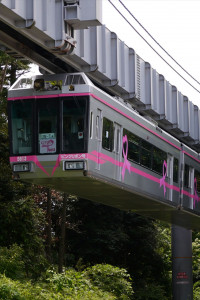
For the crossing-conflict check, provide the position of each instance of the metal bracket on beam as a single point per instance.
(28, 24)
(89, 68)
(66, 46)
(109, 83)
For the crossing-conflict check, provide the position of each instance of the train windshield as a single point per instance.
(22, 132)
(74, 125)
(47, 110)
(49, 126)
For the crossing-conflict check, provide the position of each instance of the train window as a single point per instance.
(133, 146)
(144, 153)
(74, 124)
(97, 127)
(47, 126)
(158, 158)
(175, 170)
(186, 176)
(197, 176)
(146, 150)
(91, 124)
(107, 136)
(21, 116)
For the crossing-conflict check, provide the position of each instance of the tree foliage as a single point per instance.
(71, 285)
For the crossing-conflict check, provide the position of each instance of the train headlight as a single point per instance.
(23, 167)
(74, 165)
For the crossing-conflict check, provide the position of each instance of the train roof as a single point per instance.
(27, 81)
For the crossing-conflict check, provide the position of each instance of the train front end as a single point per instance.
(48, 128)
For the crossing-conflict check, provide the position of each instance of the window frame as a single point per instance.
(58, 114)
(86, 124)
(110, 137)
(140, 148)
(10, 125)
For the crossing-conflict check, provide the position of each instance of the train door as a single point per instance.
(193, 187)
(98, 135)
(170, 162)
(188, 186)
(117, 150)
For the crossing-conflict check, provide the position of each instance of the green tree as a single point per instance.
(21, 221)
(103, 234)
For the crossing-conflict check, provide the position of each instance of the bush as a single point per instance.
(111, 279)
(96, 283)
(15, 290)
(151, 292)
(74, 285)
(196, 290)
(11, 263)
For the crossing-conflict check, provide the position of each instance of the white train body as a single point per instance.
(68, 134)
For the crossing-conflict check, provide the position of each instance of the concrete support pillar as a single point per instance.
(182, 283)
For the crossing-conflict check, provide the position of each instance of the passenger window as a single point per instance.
(133, 146)
(175, 170)
(186, 176)
(144, 153)
(107, 136)
(146, 150)
(197, 176)
(158, 158)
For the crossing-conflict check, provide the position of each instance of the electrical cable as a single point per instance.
(152, 47)
(157, 42)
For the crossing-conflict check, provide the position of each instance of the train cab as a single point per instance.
(47, 118)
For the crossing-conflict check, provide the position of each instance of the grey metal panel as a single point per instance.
(155, 91)
(113, 58)
(101, 49)
(183, 124)
(147, 95)
(83, 14)
(199, 126)
(196, 122)
(142, 80)
(87, 48)
(171, 104)
(162, 96)
(191, 120)
(9, 3)
(131, 72)
(121, 63)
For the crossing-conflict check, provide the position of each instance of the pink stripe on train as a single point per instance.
(99, 158)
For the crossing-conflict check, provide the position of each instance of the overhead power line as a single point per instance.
(157, 42)
(152, 47)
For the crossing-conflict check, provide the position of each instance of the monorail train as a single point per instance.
(68, 134)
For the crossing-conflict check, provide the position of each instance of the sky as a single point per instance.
(174, 24)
